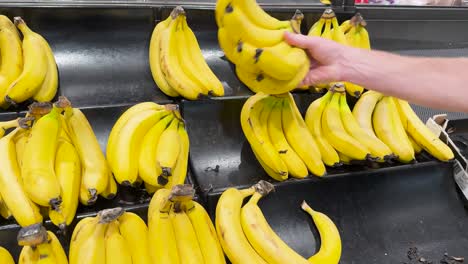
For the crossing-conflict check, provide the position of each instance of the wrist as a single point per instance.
(354, 65)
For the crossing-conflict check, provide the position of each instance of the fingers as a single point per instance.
(298, 40)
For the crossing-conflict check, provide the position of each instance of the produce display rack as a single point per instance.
(381, 212)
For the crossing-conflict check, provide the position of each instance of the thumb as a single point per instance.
(298, 40)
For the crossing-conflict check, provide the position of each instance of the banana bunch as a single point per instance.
(246, 236)
(113, 236)
(253, 41)
(149, 142)
(5, 256)
(180, 229)
(28, 67)
(40, 246)
(351, 32)
(177, 63)
(279, 137)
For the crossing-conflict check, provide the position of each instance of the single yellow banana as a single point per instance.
(180, 171)
(389, 129)
(5, 125)
(417, 148)
(111, 190)
(20, 142)
(38, 161)
(44, 253)
(5, 256)
(27, 256)
(135, 232)
(300, 139)
(11, 185)
(169, 57)
(154, 58)
(229, 228)
(117, 249)
(338, 34)
(346, 26)
(327, 30)
(295, 165)
(256, 133)
(262, 237)
(421, 134)
(4, 211)
(376, 147)
(364, 108)
(258, 16)
(336, 133)
(124, 162)
(330, 240)
(148, 169)
(313, 120)
(317, 27)
(57, 248)
(168, 150)
(49, 86)
(35, 66)
(6, 23)
(95, 172)
(227, 45)
(161, 233)
(68, 172)
(81, 233)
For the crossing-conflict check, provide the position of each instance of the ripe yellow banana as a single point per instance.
(313, 120)
(11, 56)
(229, 228)
(68, 172)
(40, 254)
(344, 159)
(317, 27)
(259, 17)
(256, 133)
(421, 134)
(57, 248)
(21, 139)
(417, 148)
(168, 150)
(135, 232)
(38, 161)
(364, 108)
(154, 58)
(5, 256)
(389, 129)
(80, 234)
(180, 171)
(226, 44)
(95, 172)
(49, 86)
(295, 165)
(300, 139)
(4, 211)
(262, 237)
(11, 185)
(5, 125)
(35, 66)
(376, 147)
(111, 190)
(117, 251)
(161, 236)
(124, 161)
(330, 241)
(169, 60)
(123, 119)
(336, 133)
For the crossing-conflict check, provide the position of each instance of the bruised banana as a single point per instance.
(11, 56)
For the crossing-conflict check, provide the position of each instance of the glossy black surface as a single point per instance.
(380, 215)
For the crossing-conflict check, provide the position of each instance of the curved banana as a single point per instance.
(180, 170)
(364, 108)
(313, 120)
(21, 139)
(35, 66)
(300, 139)
(49, 86)
(168, 150)
(57, 248)
(82, 231)
(5, 125)
(336, 134)
(258, 16)
(262, 237)
(295, 165)
(5, 256)
(11, 185)
(4, 211)
(117, 251)
(421, 134)
(376, 147)
(256, 133)
(38, 162)
(6, 23)
(112, 188)
(389, 129)
(229, 228)
(154, 58)
(226, 44)
(95, 172)
(417, 148)
(330, 240)
(135, 232)
(169, 57)
(68, 172)
(161, 233)
(317, 27)
(42, 253)
(124, 161)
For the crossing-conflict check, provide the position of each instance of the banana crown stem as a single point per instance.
(32, 235)
(109, 215)
(264, 187)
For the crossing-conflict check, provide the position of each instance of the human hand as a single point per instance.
(327, 58)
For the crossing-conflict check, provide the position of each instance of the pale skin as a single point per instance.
(440, 83)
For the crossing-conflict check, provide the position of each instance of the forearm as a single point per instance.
(434, 82)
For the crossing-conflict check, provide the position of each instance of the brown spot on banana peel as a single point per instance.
(55, 203)
(283, 151)
(239, 46)
(229, 8)
(258, 52)
(260, 77)
(162, 180)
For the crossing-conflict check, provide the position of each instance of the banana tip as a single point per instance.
(10, 101)
(55, 203)
(305, 206)
(18, 20)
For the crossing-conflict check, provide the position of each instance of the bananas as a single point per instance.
(177, 63)
(5, 256)
(135, 234)
(39, 74)
(46, 248)
(253, 41)
(279, 137)
(246, 235)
